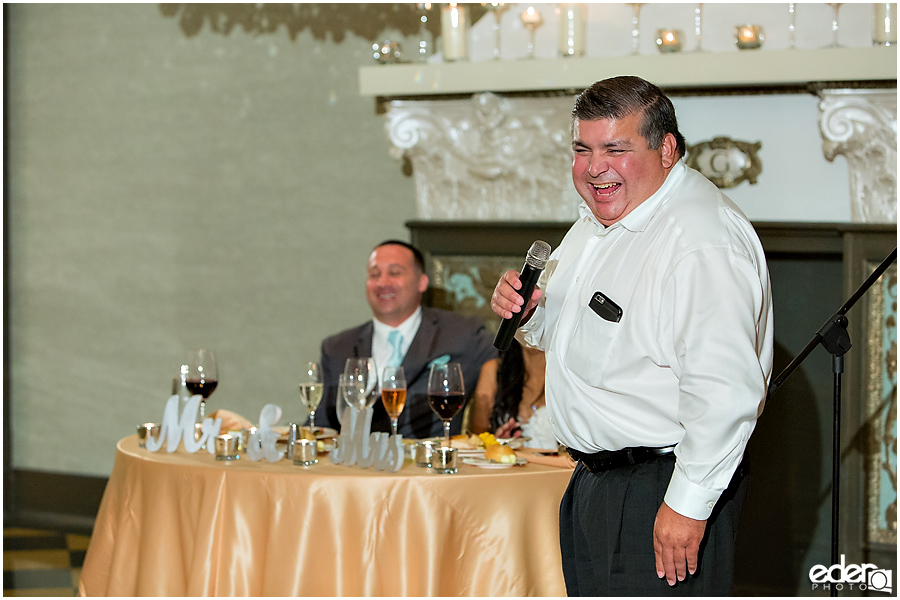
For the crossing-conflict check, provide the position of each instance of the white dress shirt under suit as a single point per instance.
(689, 362)
(382, 350)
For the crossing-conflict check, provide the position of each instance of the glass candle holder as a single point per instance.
(305, 453)
(424, 453)
(444, 461)
(885, 33)
(227, 447)
(572, 28)
(145, 430)
(454, 34)
(748, 37)
(668, 40)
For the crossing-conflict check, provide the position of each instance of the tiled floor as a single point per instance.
(42, 563)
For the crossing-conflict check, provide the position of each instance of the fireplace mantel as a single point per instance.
(489, 140)
(690, 72)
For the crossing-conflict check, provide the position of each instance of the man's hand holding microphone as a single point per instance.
(515, 296)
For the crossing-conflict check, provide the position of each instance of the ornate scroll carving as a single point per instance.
(862, 125)
(488, 157)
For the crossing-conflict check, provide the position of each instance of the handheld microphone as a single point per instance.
(535, 262)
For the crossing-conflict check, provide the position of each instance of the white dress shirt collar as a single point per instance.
(381, 348)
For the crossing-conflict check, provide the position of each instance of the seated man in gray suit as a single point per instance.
(395, 283)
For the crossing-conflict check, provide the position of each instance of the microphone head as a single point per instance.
(538, 254)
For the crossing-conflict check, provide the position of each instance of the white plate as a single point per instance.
(489, 464)
(470, 452)
(325, 432)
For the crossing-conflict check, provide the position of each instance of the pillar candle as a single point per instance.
(453, 32)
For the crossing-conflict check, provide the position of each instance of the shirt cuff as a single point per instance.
(529, 334)
(689, 499)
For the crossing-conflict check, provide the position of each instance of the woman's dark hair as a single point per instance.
(618, 97)
(510, 383)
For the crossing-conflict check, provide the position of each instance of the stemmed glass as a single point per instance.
(698, 26)
(347, 395)
(498, 8)
(834, 23)
(311, 389)
(202, 376)
(636, 28)
(393, 394)
(531, 19)
(446, 393)
(792, 27)
(363, 379)
(424, 47)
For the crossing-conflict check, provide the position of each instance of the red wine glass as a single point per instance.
(446, 393)
(203, 376)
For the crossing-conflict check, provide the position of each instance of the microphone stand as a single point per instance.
(834, 337)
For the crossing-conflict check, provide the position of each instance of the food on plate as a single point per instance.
(500, 453)
(231, 421)
(465, 442)
(472, 441)
(487, 439)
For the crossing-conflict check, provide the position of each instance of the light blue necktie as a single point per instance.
(395, 340)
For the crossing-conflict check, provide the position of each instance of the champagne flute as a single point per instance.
(446, 393)
(393, 394)
(311, 390)
(202, 377)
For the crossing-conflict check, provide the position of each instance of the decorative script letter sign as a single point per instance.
(175, 429)
(355, 445)
(262, 442)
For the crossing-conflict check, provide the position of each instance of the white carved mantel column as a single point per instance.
(488, 157)
(862, 125)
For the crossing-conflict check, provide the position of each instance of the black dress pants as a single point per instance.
(606, 534)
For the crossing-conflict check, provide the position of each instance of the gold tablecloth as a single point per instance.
(185, 524)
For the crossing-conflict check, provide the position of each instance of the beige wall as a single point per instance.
(166, 192)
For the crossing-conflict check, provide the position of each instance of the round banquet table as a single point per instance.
(184, 524)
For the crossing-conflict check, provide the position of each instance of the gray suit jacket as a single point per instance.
(465, 339)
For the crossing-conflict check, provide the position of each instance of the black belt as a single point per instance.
(613, 459)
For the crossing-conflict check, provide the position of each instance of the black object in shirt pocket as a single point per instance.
(604, 307)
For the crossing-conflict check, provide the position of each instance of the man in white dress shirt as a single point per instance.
(655, 315)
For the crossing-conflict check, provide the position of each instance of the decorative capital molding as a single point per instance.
(488, 157)
(862, 126)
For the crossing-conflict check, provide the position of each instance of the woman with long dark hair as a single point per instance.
(509, 398)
